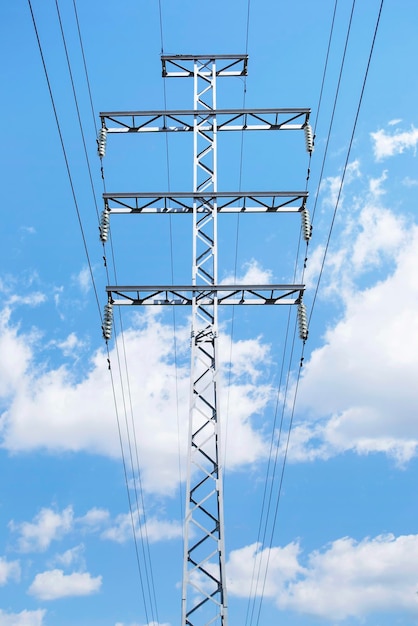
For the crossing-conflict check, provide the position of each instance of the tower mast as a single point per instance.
(204, 599)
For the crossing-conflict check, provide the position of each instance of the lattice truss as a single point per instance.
(204, 598)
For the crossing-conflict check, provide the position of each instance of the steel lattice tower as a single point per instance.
(204, 598)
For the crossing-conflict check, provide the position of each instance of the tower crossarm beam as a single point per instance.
(205, 295)
(226, 202)
(183, 120)
(183, 65)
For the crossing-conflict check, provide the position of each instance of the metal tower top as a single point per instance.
(182, 65)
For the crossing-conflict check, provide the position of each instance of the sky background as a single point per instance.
(341, 536)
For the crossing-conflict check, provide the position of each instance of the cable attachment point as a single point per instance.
(309, 142)
(101, 142)
(303, 321)
(306, 224)
(107, 321)
(104, 225)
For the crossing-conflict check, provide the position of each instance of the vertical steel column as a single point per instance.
(204, 595)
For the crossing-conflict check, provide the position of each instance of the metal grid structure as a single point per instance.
(204, 598)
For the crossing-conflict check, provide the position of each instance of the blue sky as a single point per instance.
(343, 547)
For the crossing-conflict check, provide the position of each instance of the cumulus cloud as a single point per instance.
(9, 570)
(16, 359)
(372, 575)
(388, 144)
(49, 409)
(54, 584)
(273, 567)
(359, 386)
(357, 389)
(50, 525)
(25, 618)
(47, 526)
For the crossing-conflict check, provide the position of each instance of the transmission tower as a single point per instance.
(204, 599)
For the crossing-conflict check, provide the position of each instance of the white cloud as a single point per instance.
(83, 280)
(50, 410)
(32, 299)
(71, 557)
(359, 387)
(245, 564)
(253, 274)
(395, 122)
(357, 390)
(386, 145)
(246, 356)
(332, 184)
(54, 584)
(9, 570)
(373, 575)
(47, 526)
(16, 359)
(409, 182)
(94, 519)
(25, 618)
(71, 345)
(155, 530)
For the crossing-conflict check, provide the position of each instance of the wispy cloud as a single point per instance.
(9, 570)
(154, 530)
(70, 558)
(388, 144)
(24, 618)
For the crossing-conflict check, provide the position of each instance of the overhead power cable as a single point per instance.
(131, 512)
(67, 165)
(331, 32)
(348, 157)
(85, 65)
(331, 123)
(279, 492)
(72, 184)
(77, 108)
(142, 528)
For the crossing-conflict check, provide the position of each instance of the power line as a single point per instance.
(127, 485)
(144, 542)
(77, 107)
(296, 388)
(347, 157)
(334, 108)
(85, 65)
(67, 165)
(76, 202)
